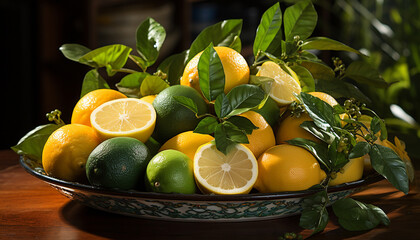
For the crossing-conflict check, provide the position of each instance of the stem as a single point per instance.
(137, 63)
(124, 70)
(205, 115)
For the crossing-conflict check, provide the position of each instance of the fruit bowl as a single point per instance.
(191, 207)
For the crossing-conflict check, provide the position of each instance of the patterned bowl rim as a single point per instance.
(372, 178)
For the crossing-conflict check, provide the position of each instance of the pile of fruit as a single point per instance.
(208, 122)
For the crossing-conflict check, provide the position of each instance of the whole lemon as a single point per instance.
(287, 168)
(187, 142)
(66, 151)
(234, 64)
(170, 171)
(89, 102)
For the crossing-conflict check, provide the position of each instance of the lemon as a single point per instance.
(170, 171)
(118, 163)
(66, 151)
(351, 172)
(234, 64)
(126, 117)
(148, 98)
(287, 168)
(234, 173)
(89, 102)
(187, 143)
(284, 86)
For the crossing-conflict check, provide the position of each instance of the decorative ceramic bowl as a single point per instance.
(191, 207)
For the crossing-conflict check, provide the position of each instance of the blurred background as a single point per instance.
(37, 78)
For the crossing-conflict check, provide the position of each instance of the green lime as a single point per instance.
(270, 111)
(172, 117)
(118, 162)
(170, 171)
(153, 146)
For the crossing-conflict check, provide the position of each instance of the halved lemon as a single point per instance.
(234, 173)
(284, 85)
(126, 117)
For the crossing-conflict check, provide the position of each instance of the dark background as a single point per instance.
(36, 78)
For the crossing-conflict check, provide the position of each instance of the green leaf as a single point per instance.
(152, 85)
(223, 143)
(224, 33)
(324, 43)
(300, 20)
(234, 133)
(321, 112)
(244, 97)
(92, 81)
(74, 51)
(187, 102)
(206, 126)
(243, 124)
(174, 66)
(315, 214)
(338, 158)
(375, 125)
(318, 70)
(326, 136)
(236, 44)
(306, 80)
(341, 89)
(320, 151)
(357, 216)
(359, 150)
(211, 74)
(112, 57)
(149, 39)
(263, 82)
(362, 72)
(387, 163)
(222, 106)
(33, 142)
(130, 84)
(268, 29)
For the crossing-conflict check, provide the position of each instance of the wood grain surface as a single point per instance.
(31, 209)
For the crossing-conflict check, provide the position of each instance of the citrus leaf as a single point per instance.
(306, 80)
(318, 69)
(74, 51)
(320, 151)
(326, 136)
(92, 81)
(324, 43)
(221, 139)
(300, 20)
(150, 36)
(222, 106)
(187, 102)
(224, 33)
(234, 133)
(321, 112)
(111, 56)
(206, 126)
(338, 158)
(359, 150)
(236, 44)
(174, 66)
(375, 125)
(362, 72)
(315, 215)
(211, 74)
(32, 144)
(130, 84)
(357, 216)
(152, 85)
(263, 82)
(387, 163)
(339, 89)
(268, 28)
(245, 97)
(243, 124)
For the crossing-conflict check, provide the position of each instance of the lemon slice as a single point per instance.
(126, 117)
(284, 85)
(234, 173)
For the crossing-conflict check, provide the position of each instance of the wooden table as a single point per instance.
(31, 209)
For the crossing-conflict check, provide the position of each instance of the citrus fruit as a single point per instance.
(85, 106)
(118, 163)
(234, 64)
(153, 146)
(66, 151)
(126, 117)
(148, 98)
(233, 173)
(289, 126)
(262, 138)
(172, 117)
(187, 143)
(270, 111)
(351, 172)
(170, 171)
(284, 85)
(287, 168)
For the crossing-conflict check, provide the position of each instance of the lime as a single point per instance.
(170, 171)
(118, 162)
(172, 117)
